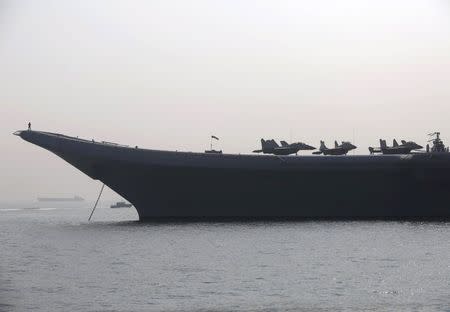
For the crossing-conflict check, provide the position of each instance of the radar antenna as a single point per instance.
(438, 145)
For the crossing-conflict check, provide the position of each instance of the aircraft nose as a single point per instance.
(309, 147)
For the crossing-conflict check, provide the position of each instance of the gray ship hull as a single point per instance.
(163, 184)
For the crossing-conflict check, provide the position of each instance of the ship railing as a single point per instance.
(85, 140)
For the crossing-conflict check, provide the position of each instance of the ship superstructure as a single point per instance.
(438, 145)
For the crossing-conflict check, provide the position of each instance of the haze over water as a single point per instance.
(54, 260)
(168, 74)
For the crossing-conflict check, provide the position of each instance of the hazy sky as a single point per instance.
(167, 74)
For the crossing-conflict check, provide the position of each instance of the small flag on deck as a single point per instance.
(214, 137)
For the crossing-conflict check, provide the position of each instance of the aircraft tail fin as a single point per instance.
(403, 142)
(263, 144)
(383, 143)
(336, 145)
(273, 144)
(395, 144)
(269, 144)
(284, 144)
(323, 146)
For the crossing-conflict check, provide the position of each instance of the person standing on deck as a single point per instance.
(29, 126)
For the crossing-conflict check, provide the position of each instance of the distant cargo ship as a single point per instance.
(61, 199)
(169, 184)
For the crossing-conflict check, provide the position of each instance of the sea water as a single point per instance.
(53, 259)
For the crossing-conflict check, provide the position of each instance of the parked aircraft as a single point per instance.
(342, 149)
(399, 149)
(272, 147)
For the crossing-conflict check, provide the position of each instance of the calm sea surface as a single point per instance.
(52, 259)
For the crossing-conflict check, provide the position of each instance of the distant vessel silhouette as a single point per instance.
(121, 204)
(61, 199)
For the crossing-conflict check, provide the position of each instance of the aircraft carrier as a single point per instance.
(168, 184)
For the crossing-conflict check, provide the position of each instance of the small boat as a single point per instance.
(121, 204)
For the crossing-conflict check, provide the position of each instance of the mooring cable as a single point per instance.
(95, 206)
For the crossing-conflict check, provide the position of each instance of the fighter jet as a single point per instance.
(399, 149)
(272, 147)
(342, 149)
